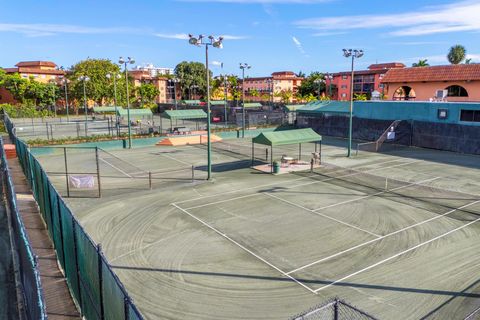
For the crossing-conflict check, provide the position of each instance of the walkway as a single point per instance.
(57, 296)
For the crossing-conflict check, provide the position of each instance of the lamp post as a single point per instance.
(319, 82)
(329, 77)
(115, 76)
(216, 43)
(84, 79)
(129, 60)
(65, 81)
(355, 54)
(243, 66)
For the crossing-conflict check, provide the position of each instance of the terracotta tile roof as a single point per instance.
(34, 71)
(360, 72)
(459, 72)
(36, 64)
(388, 65)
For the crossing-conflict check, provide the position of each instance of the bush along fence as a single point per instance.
(29, 276)
(96, 289)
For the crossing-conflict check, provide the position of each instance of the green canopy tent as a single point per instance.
(279, 138)
(189, 114)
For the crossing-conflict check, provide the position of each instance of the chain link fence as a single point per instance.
(29, 275)
(95, 287)
(334, 310)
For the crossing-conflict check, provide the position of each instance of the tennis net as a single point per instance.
(424, 194)
(237, 151)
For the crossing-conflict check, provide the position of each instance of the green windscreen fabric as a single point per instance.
(113, 296)
(89, 277)
(278, 138)
(185, 114)
(135, 112)
(56, 229)
(336, 107)
(105, 109)
(253, 105)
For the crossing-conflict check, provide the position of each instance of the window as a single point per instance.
(470, 115)
(456, 91)
(442, 113)
(344, 95)
(344, 86)
(344, 77)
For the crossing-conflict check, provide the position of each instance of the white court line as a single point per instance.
(396, 255)
(376, 194)
(383, 237)
(226, 200)
(111, 165)
(322, 215)
(174, 159)
(271, 184)
(241, 246)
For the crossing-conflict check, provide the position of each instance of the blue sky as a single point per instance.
(270, 35)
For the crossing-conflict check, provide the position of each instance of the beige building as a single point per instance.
(163, 84)
(259, 88)
(41, 71)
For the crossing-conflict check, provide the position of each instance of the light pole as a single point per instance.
(65, 81)
(125, 63)
(355, 54)
(319, 82)
(329, 77)
(84, 79)
(216, 43)
(175, 81)
(115, 76)
(243, 66)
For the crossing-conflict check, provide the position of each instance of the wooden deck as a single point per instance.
(58, 300)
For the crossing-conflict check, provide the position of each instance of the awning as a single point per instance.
(278, 138)
(192, 102)
(184, 114)
(105, 109)
(135, 112)
(294, 107)
(336, 107)
(217, 103)
(253, 105)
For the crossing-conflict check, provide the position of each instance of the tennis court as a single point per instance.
(395, 234)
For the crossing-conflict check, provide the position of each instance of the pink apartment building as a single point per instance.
(270, 86)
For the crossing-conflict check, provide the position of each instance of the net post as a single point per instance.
(335, 310)
(311, 165)
(193, 173)
(266, 154)
(98, 173)
(320, 153)
(386, 184)
(150, 179)
(66, 170)
(100, 280)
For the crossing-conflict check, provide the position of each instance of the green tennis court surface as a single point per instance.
(396, 234)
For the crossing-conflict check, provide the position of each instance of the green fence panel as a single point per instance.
(89, 277)
(133, 313)
(47, 204)
(113, 295)
(57, 226)
(70, 268)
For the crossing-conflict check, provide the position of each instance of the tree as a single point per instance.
(192, 73)
(360, 97)
(421, 63)
(254, 93)
(148, 94)
(301, 74)
(456, 54)
(284, 95)
(309, 86)
(469, 61)
(99, 88)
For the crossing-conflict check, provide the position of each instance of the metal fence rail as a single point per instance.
(31, 286)
(95, 287)
(334, 310)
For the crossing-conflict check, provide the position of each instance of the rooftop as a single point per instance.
(459, 72)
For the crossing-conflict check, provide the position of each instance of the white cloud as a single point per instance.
(454, 17)
(299, 46)
(440, 58)
(216, 63)
(40, 30)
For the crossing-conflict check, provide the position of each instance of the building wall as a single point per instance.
(343, 84)
(426, 91)
(280, 83)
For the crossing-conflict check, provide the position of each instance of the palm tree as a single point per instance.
(421, 63)
(456, 54)
(468, 61)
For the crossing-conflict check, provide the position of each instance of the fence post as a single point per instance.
(75, 250)
(125, 308)
(46, 126)
(66, 170)
(61, 230)
(335, 310)
(100, 279)
(98, 173)
(78, 130)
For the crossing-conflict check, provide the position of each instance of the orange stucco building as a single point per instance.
(163, 84)
(460, 83)
(278, 82)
